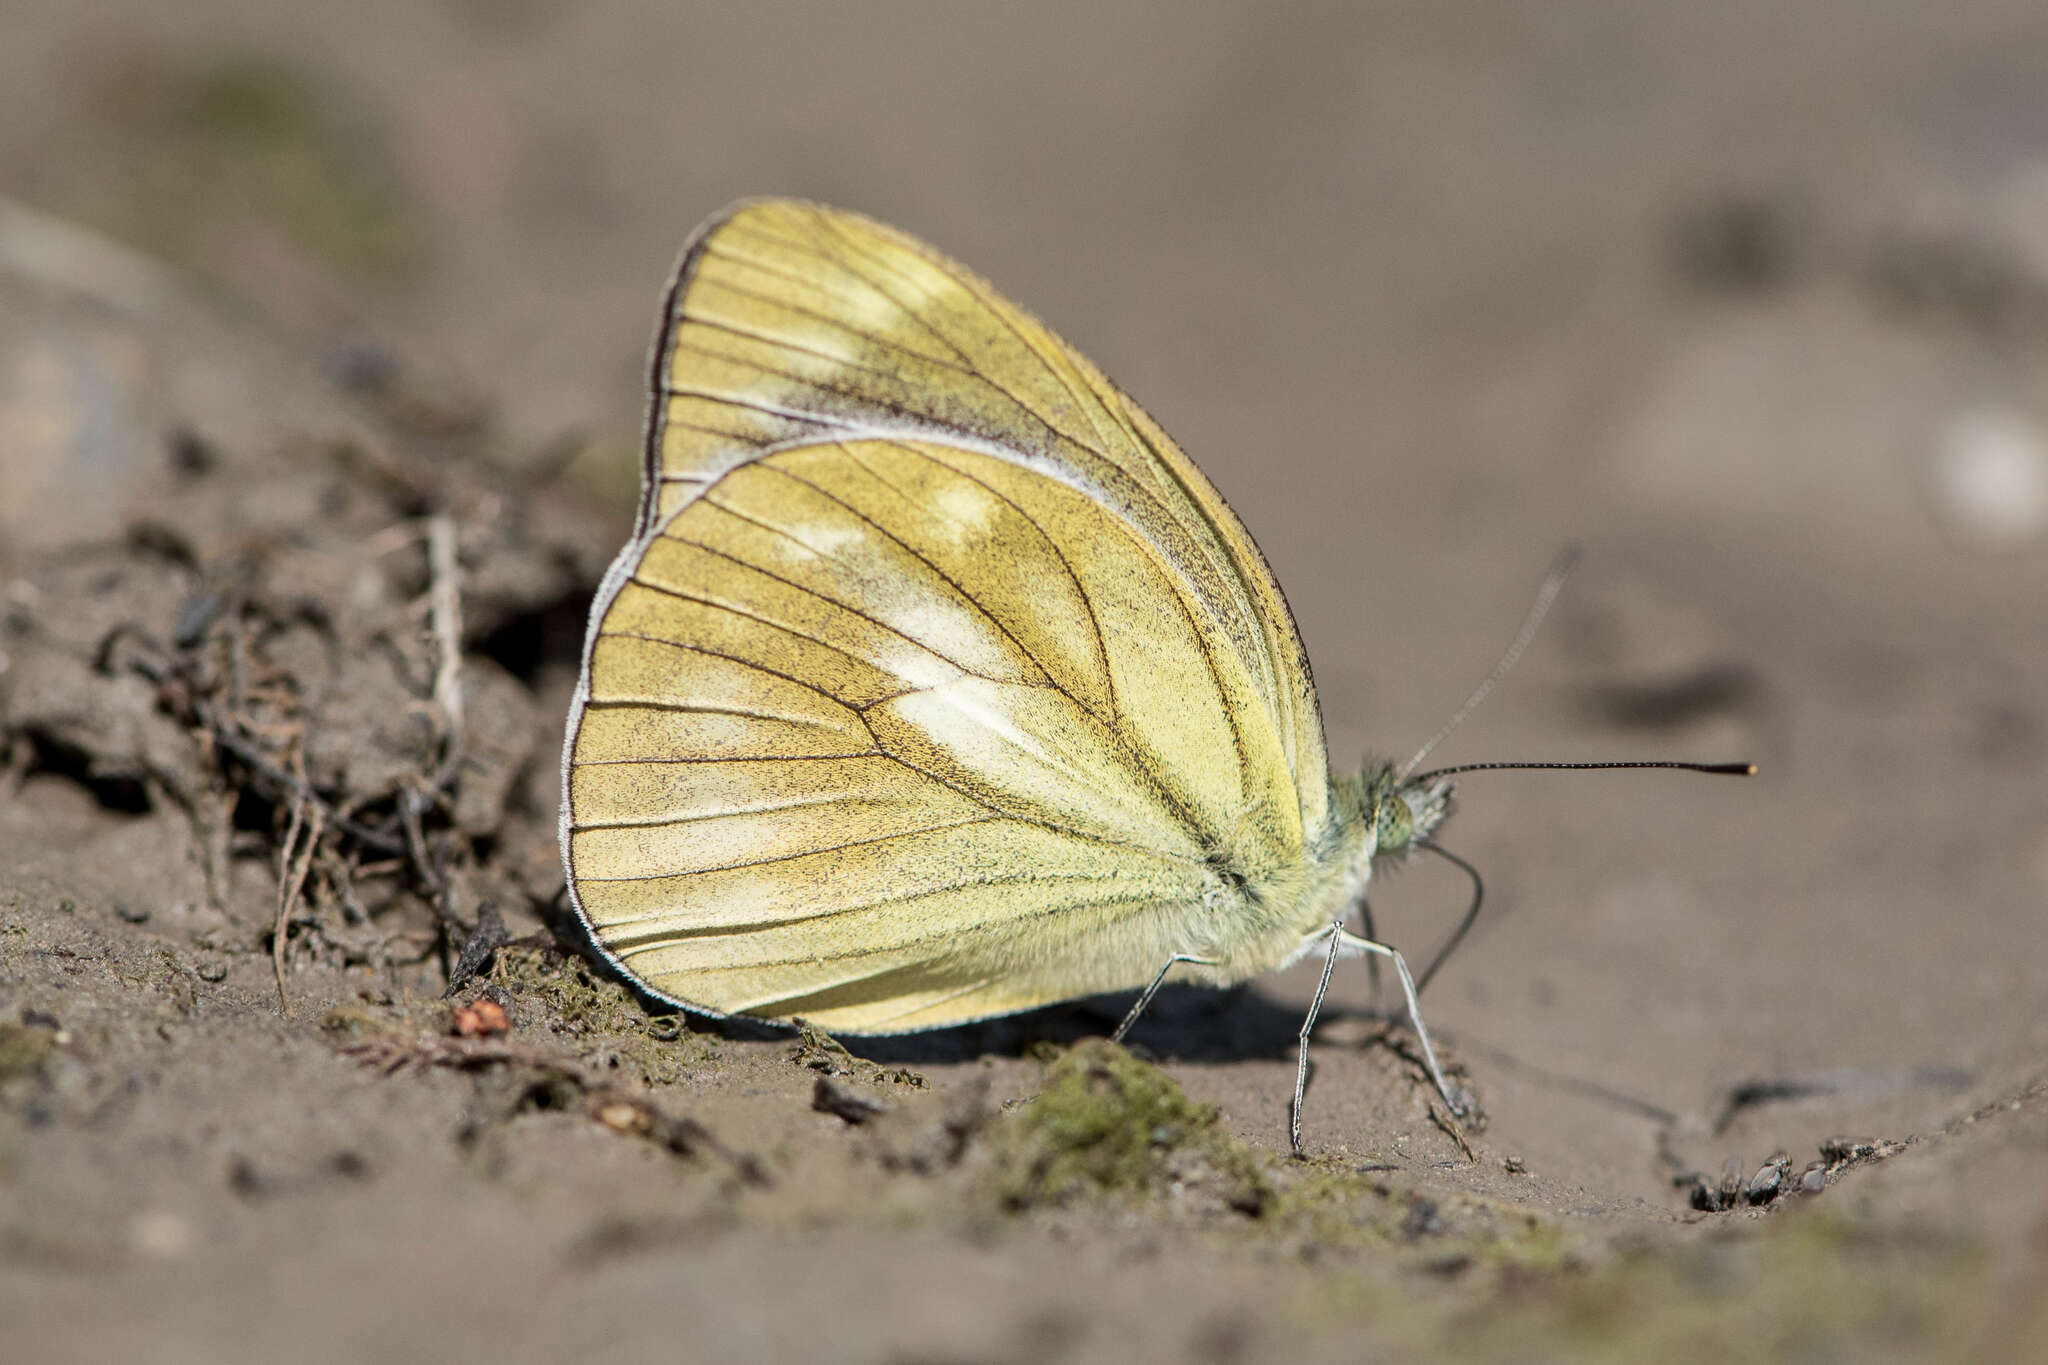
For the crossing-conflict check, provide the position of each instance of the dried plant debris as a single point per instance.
(541, 988)
(573, 998)
(819, 1051)
(322, 662)
(517, 1078)
(481, 947)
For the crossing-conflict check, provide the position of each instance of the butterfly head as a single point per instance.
(1402, 813)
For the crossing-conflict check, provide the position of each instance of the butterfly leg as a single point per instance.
(1366, 945)
(1308, 1024)
(1145, 996)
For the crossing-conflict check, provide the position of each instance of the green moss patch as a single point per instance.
(1108, 1123)
(193, 151)
(24, 1050)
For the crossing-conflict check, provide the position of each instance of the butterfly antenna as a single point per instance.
(1553, 583)
(1720, 769)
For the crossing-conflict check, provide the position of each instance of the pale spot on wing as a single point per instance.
(962, 513)
(915, 666)
(1031, 751)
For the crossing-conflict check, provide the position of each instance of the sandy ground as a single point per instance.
(1753, 305)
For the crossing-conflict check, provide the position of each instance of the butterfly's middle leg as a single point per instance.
(1342, 939)
(1354, 943)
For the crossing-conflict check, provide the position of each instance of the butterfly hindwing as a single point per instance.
(830, 763)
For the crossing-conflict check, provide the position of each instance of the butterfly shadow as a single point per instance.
(1183, 1024)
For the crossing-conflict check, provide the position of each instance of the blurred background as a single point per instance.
(1751, 299)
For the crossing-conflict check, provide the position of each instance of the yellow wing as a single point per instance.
(790, 322)
(938, 683)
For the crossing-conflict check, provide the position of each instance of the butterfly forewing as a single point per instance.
(792, 322)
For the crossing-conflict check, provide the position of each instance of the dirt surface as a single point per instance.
(321, 337)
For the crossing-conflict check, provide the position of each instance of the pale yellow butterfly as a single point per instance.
(937, 683)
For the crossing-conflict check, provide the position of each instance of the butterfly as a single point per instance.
(936, 683)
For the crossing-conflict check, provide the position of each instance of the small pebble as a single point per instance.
(1769, 1179)
(484, 1018)
(1731, 1182)
(160, 1234)
(623, 1116)
(1986, 475)
(133, 914)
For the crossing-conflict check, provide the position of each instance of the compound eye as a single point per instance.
(1395, 822)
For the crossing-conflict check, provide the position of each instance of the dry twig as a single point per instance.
(291, 880)
(445, 617)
